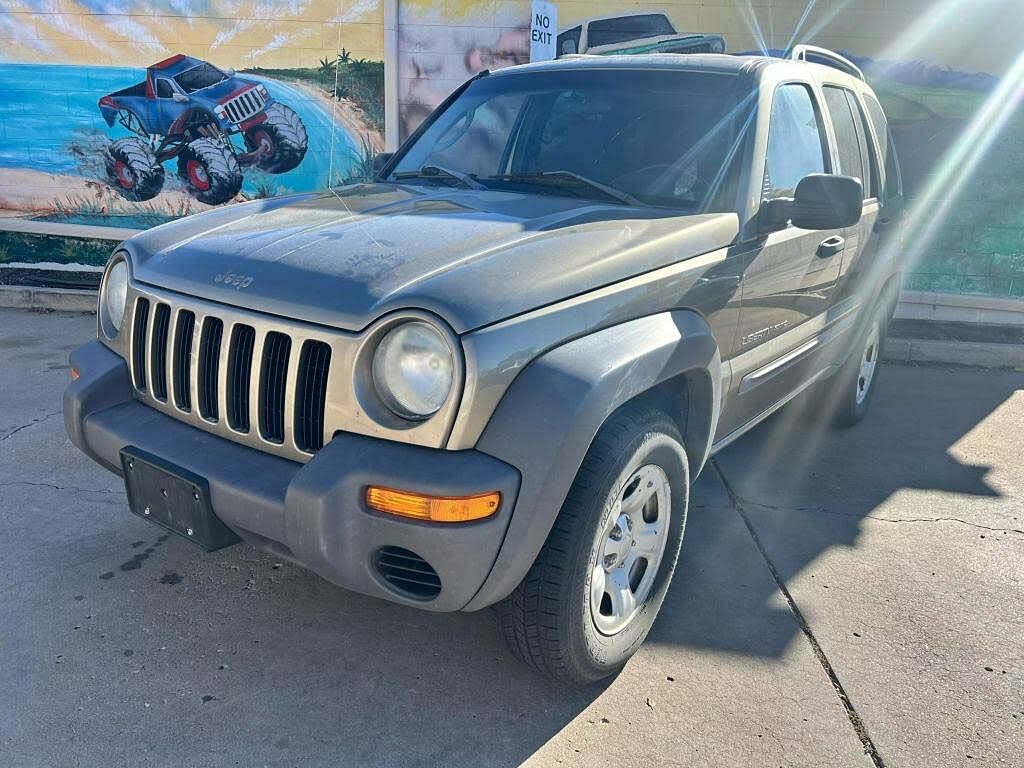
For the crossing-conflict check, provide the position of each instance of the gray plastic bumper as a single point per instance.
(311, 514)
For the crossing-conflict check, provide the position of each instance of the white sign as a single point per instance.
(543, 30)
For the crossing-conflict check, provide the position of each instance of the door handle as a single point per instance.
(831, 246)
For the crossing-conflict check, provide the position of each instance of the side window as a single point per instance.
(795, 146)
(893, 183)
(867, 151)
(852, 158)
(163, 89)
(569, 41)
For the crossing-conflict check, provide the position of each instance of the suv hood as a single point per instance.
(345, 258)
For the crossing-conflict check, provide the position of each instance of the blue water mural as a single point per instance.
(50, 122)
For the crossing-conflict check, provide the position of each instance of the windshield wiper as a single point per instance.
(437, 171)
(566, 179)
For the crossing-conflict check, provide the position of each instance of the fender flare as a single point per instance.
(549, 416)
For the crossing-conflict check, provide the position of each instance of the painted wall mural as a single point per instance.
(131, 112)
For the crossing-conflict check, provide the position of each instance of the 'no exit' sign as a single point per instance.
(543, 30)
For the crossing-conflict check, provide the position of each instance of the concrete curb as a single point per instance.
(972, 353)
(56, 299)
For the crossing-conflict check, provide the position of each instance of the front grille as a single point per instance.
(245, 105)
(260, 382)
(408, 573)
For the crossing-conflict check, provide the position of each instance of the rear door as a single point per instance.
(855, 157)
(790, 280)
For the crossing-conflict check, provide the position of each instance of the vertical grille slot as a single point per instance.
(158, 351)
(209, 367)
(181, 361)
(243, 339)
(310, 395)
(141, 325)
(273, 374)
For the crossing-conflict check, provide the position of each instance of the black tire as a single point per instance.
(282, 136)
(844, 398)
(210, 171)
(133, 170)
(548, 620)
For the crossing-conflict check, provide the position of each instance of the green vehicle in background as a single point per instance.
(633, 33)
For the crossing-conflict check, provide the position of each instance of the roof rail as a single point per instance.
(815, 55)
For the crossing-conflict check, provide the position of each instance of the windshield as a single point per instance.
(199, 77)
(651, 137)
(623, 28)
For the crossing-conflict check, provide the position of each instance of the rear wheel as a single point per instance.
(844, 398)
(593, 593)
(133, 170)
(210, 171)
(280, 138)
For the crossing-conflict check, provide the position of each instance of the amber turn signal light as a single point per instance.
(74, 373)
(437, 509)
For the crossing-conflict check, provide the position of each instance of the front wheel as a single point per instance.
(210, 170)
(280, 139)
(593, 593)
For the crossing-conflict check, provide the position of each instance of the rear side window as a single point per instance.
(569, 41)
(893, 184)
(795, 147)
(853, 157)
(163, 89)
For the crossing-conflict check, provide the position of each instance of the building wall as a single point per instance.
(936, 64)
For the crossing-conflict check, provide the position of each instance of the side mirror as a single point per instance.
(379, 161)
(823, 201)
(230, 72)
(181, 98)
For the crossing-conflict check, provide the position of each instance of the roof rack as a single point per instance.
(815, 55)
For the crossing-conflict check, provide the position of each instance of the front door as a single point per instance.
(790, 279)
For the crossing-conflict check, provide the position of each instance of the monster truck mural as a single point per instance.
(189, 109)
(644, 32)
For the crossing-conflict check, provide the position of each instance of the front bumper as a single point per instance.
(312, 514)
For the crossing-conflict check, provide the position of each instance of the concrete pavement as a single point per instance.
(838, 592)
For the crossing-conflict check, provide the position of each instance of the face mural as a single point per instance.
(133, 112)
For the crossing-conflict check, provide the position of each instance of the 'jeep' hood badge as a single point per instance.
(236, 281)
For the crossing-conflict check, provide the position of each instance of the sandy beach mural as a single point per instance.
(131, 112)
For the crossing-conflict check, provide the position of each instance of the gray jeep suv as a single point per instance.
(488, 377)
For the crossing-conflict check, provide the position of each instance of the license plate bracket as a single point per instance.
(175, 498)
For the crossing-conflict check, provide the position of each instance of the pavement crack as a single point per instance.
(32, 423)
(58, 487)
(958, 520)
(851, 712)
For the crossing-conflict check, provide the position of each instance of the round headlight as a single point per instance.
(413, 369)
(115, 295)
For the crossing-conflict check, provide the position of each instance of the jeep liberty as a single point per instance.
(489, 376)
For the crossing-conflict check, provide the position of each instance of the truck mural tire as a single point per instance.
(133, 170)
(210, 171)
(282, 136)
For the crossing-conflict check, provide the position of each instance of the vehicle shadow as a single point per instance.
(811, 487)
